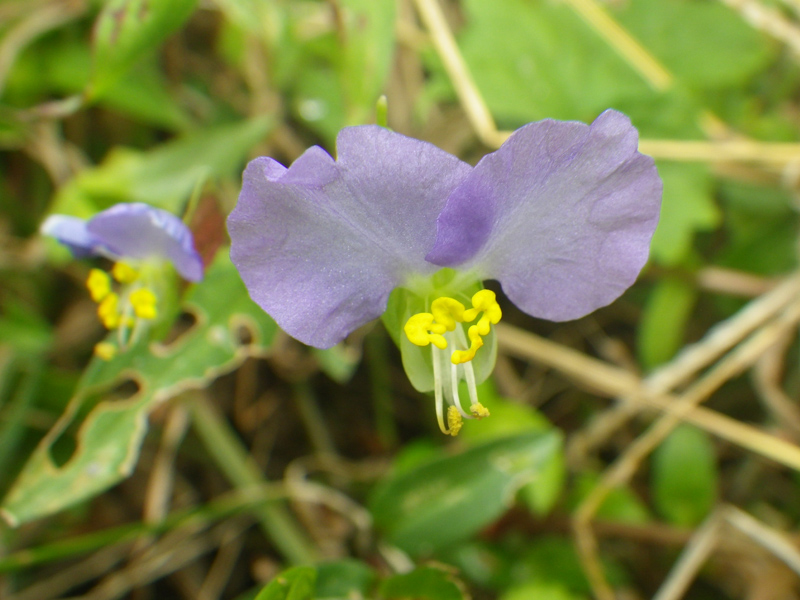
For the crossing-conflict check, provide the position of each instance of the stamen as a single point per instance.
(144, 303)
(105, 350)
(99, 284)
(456, 401)
(421, 329)
(440, 327)
(454, 421)
(124, 273)
(108, 311)
(437, 389)
(462, 356)
(447, 312)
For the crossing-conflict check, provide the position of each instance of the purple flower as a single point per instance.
(561, 215)
(130, 231)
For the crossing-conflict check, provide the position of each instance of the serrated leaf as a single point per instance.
(109, 439)
(127, 29)
(449, 499)
(687, 207)
(684, 476)
(164, 176)
(661, 330)
(423, 583)
(296, 583)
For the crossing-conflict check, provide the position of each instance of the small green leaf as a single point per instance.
(423, 583)
(661, 331)
(687, 207)
(684, 476)
(366, 55)
(540, 589)
(621, 504)
(451, 498)
(296, 583)
(125, 30)
(164, 176)
(347, 578)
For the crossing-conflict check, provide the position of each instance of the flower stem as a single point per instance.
(232, 458)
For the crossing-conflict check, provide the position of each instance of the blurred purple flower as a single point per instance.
(561, 215)
(130, 231)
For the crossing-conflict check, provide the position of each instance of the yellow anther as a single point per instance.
(124, 273)
(476, 341)
(105, 350)
(144, 303)
(447, 312)
(479, 411)
(421, 329)
(108, 311)
(99, 284)
(454, 422)
(484, 302)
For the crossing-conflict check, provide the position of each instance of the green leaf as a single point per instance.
(684, 476)
(366, 55)
(449, 499)
(347, 578)
(125, 30)
(705, 44)
(760, 227)
(687, 207)
(423, 583)
(621, 504)
(164, 176)
(510, 418)
(536, 60)
(540, 589)
(296, 583)
(109, 438)
(340, 362)
(661, 331)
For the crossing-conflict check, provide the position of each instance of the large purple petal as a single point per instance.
(72, 232)
(139, 231)
(562, 215)
(321, 245)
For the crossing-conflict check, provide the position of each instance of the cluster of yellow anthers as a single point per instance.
(437, 327)
(139, 302)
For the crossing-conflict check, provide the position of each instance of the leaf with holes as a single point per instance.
(108, 439)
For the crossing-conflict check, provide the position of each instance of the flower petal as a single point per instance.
(140, 231)
(321, 245)
(562, 215)
(72, 232)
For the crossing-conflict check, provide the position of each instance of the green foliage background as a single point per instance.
(221, 459)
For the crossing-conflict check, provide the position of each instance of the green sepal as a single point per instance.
(418, 361)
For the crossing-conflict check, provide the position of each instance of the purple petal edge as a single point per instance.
(140, 231)
(72, 232)
(320, 245)
(561, 215)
